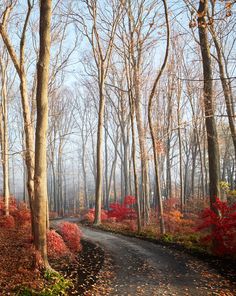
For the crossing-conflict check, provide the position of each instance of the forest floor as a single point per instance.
(17, 264)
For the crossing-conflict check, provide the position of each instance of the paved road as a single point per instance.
(144, 268)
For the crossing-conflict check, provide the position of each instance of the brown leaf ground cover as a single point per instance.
(17, 262)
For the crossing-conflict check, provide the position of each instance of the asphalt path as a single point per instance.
(144, 268)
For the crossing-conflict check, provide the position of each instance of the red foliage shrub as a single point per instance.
(71, 234)
(22, 217)
(89, 216)
(12, 205)
(129, 200)
(123, 211)
(222, 227)
(56, 245)
(7, 221)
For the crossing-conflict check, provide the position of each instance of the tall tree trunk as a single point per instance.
(212, 139)
(152, 131)
(4, 138)
(99, 179)
(28, 127)
(40, 179)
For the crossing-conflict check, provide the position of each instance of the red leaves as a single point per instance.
(56, 245)
(222, 227)
(22, 216)
(129, 200)
(7, 222)
(123, 211)
(71, 234)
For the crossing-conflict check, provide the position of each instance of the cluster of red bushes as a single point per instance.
(19, 214)
(64, 243)
(117, 211)
(219, 225)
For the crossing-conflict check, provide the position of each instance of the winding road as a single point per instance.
(144, 268)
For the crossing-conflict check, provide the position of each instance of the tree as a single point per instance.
(40, 177)
(4, 131)
(101, 40)
(19, 64)
(154, 140)
(212, 138)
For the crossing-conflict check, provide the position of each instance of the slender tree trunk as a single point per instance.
(212, 139)
(99, 179)
(28, 127)
(40, 179)
(4, 136)
(153, 136)
(180, 156)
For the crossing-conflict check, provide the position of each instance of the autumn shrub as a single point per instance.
(90, 215)
(220, 227)
(175, 222)
(12, 205)
(124, 211)
(171, 204)
(22, 217)
(56, 245)
(71, 234)
(7, 222)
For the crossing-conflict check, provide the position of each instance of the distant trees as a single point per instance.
(101, 40)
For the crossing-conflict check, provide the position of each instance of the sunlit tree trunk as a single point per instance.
(40, 179)
(19, 64)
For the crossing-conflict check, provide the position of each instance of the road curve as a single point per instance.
(144, 268)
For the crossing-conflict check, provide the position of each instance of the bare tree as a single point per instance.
(19, 63)
(154, 140)
(102, 51)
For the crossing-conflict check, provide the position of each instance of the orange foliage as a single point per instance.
(175, 222)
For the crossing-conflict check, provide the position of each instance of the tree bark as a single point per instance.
(40, 178)
(212, 139)
(98, 200)
(4, 138)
